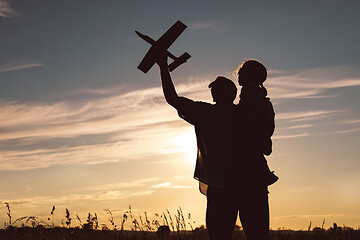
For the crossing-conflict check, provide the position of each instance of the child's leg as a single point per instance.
(254, 215)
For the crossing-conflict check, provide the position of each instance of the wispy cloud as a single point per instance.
(291, 136)
(301, 126)
(312, 216)
(306, 115)
(117, 128)
(297, 124)
(351, 121)
(312, 83)
(6, 10)
(134, 125)
(19, 66)
(95, 196)
(122, 185)
(168, 185)
(351, 130)
(113, 191)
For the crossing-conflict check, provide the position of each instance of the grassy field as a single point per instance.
(165, 226)
(61, 233)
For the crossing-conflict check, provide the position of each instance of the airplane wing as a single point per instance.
(163, 43)
(149, 60)
(171, 35)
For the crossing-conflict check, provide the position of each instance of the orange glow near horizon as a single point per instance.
(185, 142)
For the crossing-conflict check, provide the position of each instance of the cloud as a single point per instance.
(313, 83)
(310, 216)
(95, 193)
(6, 10)
(296, 124)
(105, 192)
(19, 66)
(162, 185)
(317, 83)
(167, 185)
(95, 196)
(122, 185)
(129, 126)
(290, 136)
(301, 126)
(306, 115)
(352, 130)
(135, 125)
(352, 121)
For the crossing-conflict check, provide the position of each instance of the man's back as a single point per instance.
(214, 127)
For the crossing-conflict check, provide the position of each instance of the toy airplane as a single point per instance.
(161, 45)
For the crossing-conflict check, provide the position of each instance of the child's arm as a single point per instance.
(270, 118)
(269, 127)
(264, 118)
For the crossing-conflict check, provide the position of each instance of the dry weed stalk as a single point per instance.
(8, 213)
(68, 218)
(111, 219)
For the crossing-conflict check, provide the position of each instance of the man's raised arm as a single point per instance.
(168, 87)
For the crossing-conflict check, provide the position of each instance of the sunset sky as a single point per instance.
(82, 128)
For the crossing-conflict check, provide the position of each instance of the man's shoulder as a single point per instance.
(193, 111)
(188, 101)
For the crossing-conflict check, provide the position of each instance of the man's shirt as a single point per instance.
(215, 134)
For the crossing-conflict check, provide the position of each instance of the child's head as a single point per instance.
(251, 72)
(223, 90)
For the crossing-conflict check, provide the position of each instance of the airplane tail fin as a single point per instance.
(180, 60)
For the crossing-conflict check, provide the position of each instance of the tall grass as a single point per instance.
(140, 222)
(162, 226)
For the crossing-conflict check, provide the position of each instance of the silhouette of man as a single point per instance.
(213, 125)
(228, 173)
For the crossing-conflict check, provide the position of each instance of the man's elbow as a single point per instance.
(173, 101)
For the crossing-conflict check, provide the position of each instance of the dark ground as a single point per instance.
(61, 233)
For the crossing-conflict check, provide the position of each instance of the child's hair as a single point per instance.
(223, 89)
(252, 70)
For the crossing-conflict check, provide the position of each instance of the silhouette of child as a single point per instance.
(258, 108)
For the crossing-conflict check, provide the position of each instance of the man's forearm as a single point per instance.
(168, 86)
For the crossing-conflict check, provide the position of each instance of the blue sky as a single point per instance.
(81, 127)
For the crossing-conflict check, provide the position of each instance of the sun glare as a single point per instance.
(186, 143)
